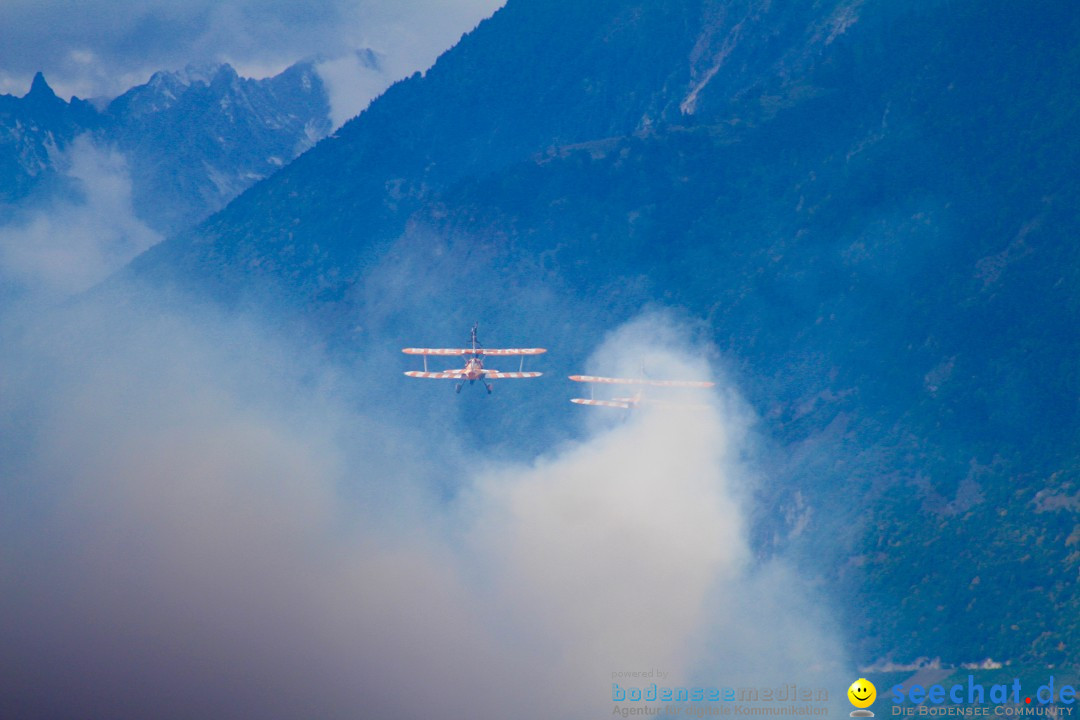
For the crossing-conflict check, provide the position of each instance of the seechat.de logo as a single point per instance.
(862, 694)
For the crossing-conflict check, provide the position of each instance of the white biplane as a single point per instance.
(474, 364)
(629, 402)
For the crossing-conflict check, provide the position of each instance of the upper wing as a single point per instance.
(511, 351)
(496, 375)
(641, 381)
(594, 379)
(477, 351)
(437, 351)
(448, 375)
(601, 403)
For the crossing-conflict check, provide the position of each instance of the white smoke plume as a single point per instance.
(190, 526)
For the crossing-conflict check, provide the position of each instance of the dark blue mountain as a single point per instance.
(192, 139)
(870, 209)
(32, 129)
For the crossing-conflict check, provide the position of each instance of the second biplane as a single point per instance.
(474, 364)
(629, 402)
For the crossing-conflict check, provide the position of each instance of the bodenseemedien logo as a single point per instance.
(781, 700)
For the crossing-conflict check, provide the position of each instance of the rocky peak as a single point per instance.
(39, 88)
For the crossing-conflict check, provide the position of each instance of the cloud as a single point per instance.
(352, 81)
(103, 47)
(197, 519)
(75, 240)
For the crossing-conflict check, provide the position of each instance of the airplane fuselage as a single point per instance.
(474, 369)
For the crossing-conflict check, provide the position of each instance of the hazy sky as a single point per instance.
(96, 48)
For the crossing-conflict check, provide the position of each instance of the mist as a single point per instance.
(101, 48)
(65, 244)
(198, 518)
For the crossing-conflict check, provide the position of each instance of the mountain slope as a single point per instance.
(199, 141)
(32, 129)
(872, 206)
(192, 140)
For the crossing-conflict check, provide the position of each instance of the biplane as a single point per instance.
(629, 402)
(474, 363)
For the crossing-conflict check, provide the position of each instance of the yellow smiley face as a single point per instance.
(862, 693)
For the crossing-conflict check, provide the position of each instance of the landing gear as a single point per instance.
(488, 386)
(457, 388)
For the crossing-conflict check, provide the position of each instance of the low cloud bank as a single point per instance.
(196, 521)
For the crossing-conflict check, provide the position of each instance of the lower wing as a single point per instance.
(601, 403)
(496, 375)
(448, 375)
